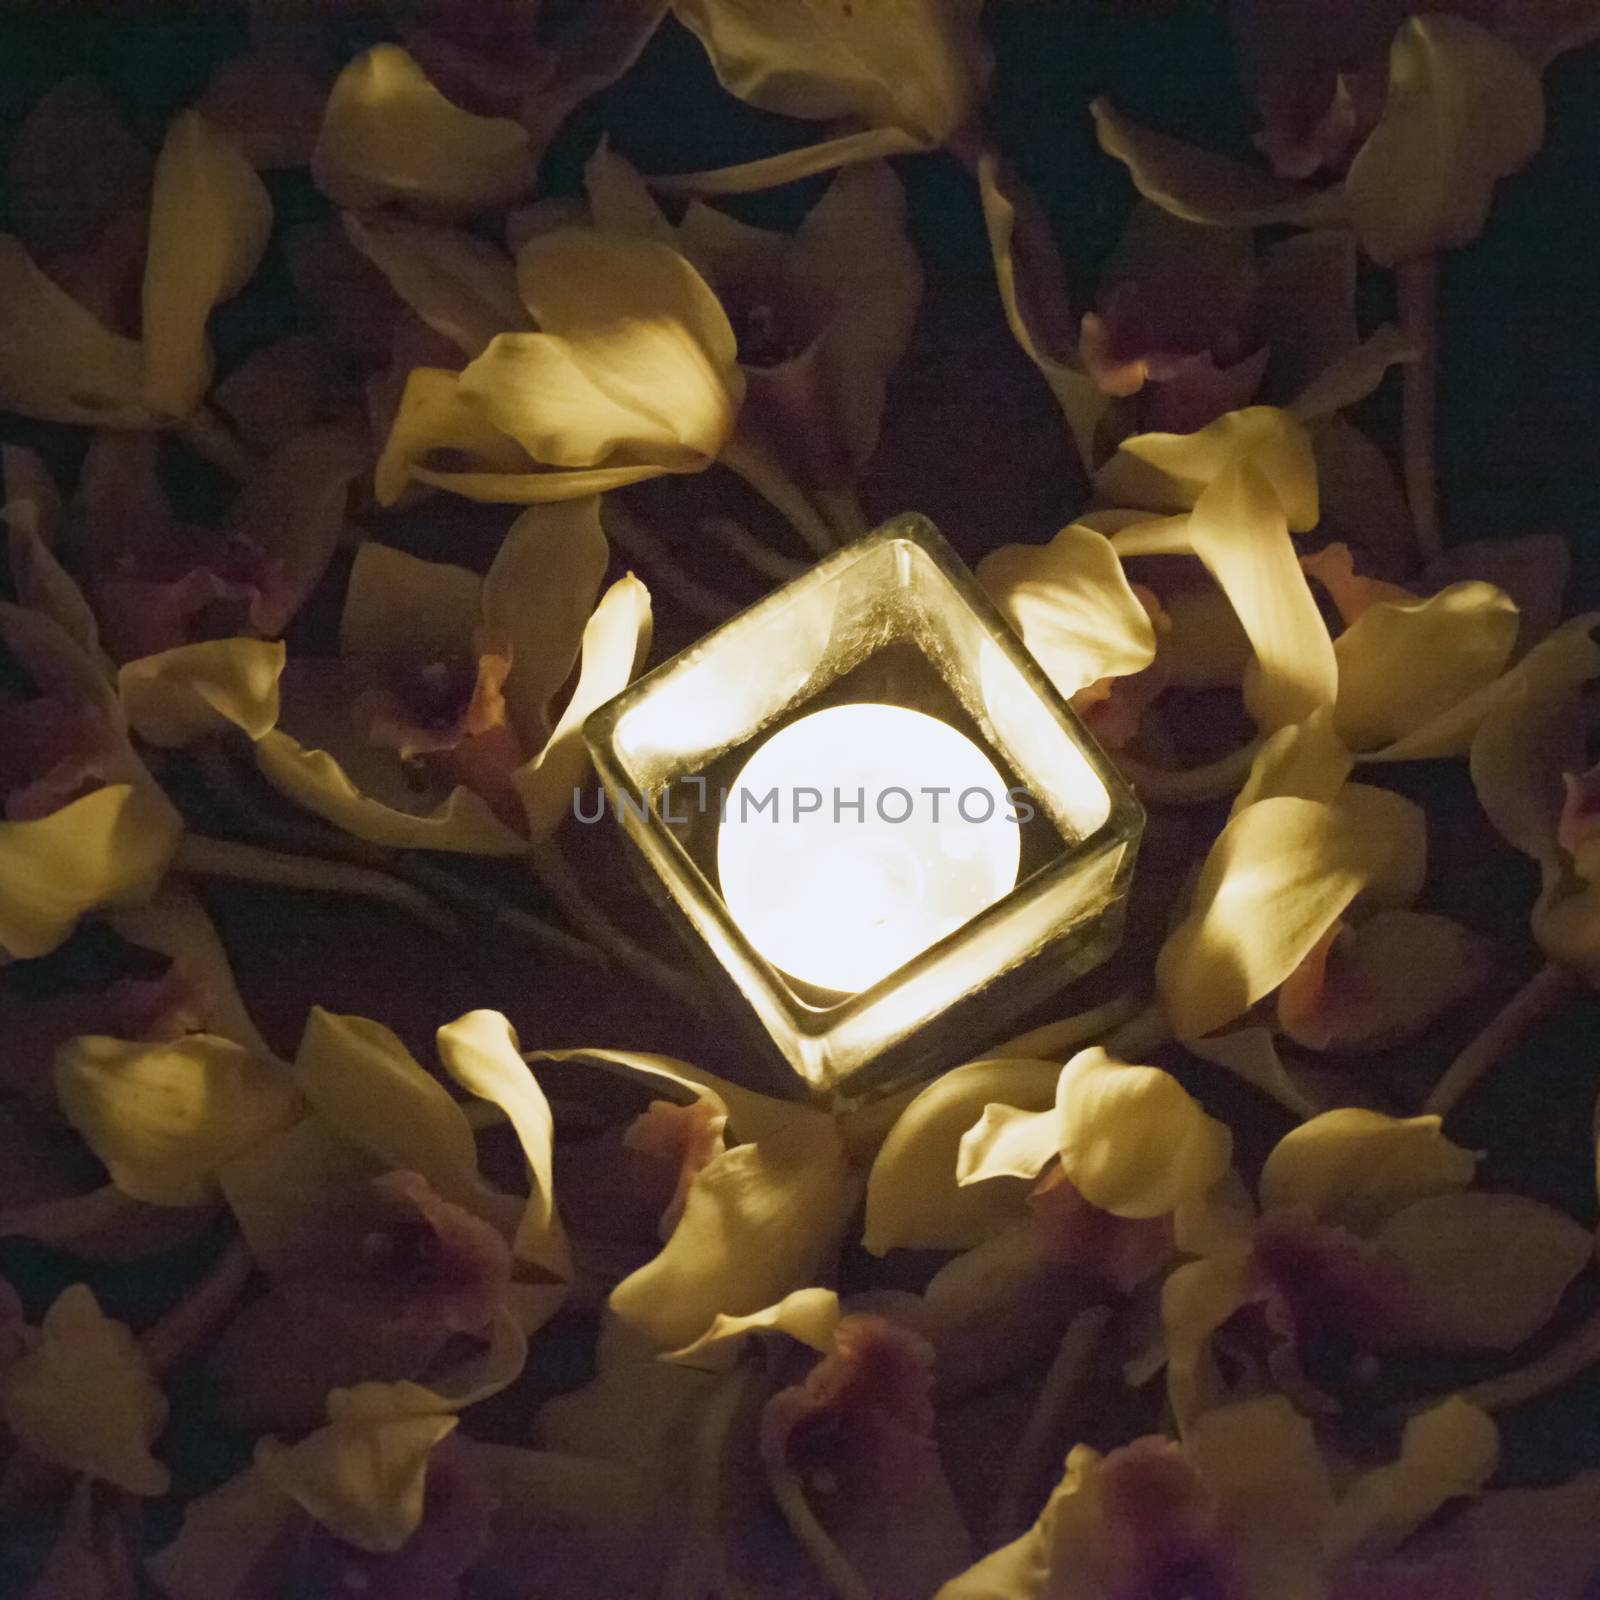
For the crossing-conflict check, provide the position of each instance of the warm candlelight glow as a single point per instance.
(858, 836)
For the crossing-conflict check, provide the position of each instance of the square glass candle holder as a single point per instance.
(894, 619)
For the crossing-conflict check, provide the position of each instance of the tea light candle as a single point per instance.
(857, 836)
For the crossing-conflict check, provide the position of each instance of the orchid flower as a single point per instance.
(1244, 1506)
(895, 78)
(81, 360)
(391, 1496)
(371, 1211)
(185, 619)
(1369, 1241)
(84, 824)
(1461, 109)
(438, 726)
(78, 1350)
(633, 373)
(822, 316)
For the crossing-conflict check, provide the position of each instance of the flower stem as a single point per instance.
(1040, 1441)
(1417, 286)
(1057, 1040)
(832, 1564)
(738, 541)
(565, 887)
(1559, 1365)
(756, 465)
(843, 511)
(203, 857)
(1542, 993)
(195, 1317)
(700, 1566)
(472, 901)
(644, 545)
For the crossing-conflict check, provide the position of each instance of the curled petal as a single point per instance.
(1405, 663)
(758, 1222)
(1073, 606)
(1463, 110)
(1307, 760)
(1203, 187)
(615, 642)
(1487, 1270)
(166, 1117)
(1279, 876)
(178, 696)
(209, 221)
(389, 136)
(82, 1352)
(920, 66)
(434, 416)
(1358, 1168)
(808, 1316)
(460, 286)
(913, 1201)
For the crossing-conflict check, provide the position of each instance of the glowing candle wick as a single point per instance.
(857, 836)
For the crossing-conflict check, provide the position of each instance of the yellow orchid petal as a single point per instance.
(1251, 1054)
(362, 1478)
(919, 65)
(480, 1051)
(807, 1315)
(1033, 293)
(1307, 760)
(460, 285)
(1446, 1453)
(1358, 1168)
(1567, 658)
(1073, 606)
(1131, 1139)
(225, 1533)
(1204, 187)
(620, 202)
(913, 1199)
(1403, 664)
(539, 595)
(532, 488)
(1197, 1298)
(1534, 569)
(615, 642)
(397, 602)
(1353, 377)
(1280, 874)
(58, 361)
(1487, 1270)
(1169, 472)
(178, 696)
(1238, 530)
(33, 522)
(435, 415)
(210, 217)
(165, 1117)
(110, 848)
(81, 1353)
(358, 1075)
(758, 1222)
(389, 136)
(1382, 982)
(1463, 110)
(1262, 1462)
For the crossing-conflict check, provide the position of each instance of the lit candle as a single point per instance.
(857, 836)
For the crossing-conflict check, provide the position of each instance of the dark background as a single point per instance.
(973, 439)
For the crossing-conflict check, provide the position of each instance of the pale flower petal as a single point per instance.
(389, 136)
(913, 1201)
(209, 221)
(1306, 760)
(434, 415)
(80, 1353)
(806, 1315)
(178, 696)
(1489, 1270)
(1204, 187)
(1280, 874)
(1073, 606)
(1404, 663)
(1463, 110)
(164, 1118)
(1359, 1168)
(920, 65)
(615, 643)
(399, 603)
